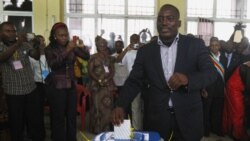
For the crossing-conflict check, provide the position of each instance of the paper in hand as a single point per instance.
(237, 36)
(123, 131)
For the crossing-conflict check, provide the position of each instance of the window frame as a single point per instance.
(125, 16)
(214, 17)
(4, 13)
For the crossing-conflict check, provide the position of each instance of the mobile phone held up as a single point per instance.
(75, 39)
(136, 46)
(30, 36)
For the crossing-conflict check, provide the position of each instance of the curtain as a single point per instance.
(205, 29)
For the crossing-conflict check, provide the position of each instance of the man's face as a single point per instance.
(8, 33)
(214, 47)
(118, 46)
(167, 23)
(229, 47)
(135, 40)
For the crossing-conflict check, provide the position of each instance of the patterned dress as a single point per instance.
(101, 93)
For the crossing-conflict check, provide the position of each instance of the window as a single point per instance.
(228, 9)
(111, 7)
(248, 9)
(192, 27)
(225, 30)
(135, 26)
(80, 6)
(225, 14)
(200, 8)
(137, 7)
(18, 12)
(123, 17)
(247, 31)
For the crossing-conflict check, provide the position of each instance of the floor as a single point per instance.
(216, 138)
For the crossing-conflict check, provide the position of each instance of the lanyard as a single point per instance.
(16, 55)
(44, 72)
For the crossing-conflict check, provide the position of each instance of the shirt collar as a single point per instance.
(160, 43)
(216, 56)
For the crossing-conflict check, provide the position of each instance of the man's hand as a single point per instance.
(117, 116)
(177, 80)
(21, 37)
(204, 93)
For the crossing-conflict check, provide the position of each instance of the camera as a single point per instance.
(75, 39)
(136, 46)
(30, 36)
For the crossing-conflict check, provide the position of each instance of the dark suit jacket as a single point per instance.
(236, 60)
(193, 60)
(216, 89)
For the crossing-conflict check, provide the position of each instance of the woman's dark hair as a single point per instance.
(39, 36)
(53, 30)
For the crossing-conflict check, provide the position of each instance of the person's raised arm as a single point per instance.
(35, 51)
(121, 55)
(91, 69)
(81, 50)
(5, 55)
(56, 60)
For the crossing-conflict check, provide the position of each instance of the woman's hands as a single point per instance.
(103, 82)
(75, 43)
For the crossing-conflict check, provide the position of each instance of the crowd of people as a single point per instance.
(219, 99)
(172, 84)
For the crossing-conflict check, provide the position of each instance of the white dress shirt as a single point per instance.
(168, 58)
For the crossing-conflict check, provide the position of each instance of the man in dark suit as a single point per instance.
(175, 68)
(213, 95)
(230, 59)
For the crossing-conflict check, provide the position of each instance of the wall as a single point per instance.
(46, 13)
(181, 5)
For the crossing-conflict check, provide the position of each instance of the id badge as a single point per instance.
(106, 68)
(17, 65)
(45, 73)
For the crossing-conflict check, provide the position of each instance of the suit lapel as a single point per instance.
(156, 52)
(180, 57)
(233, 61)
(223, 60)
(179, 65)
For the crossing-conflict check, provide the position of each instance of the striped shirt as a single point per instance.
(17, 81)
